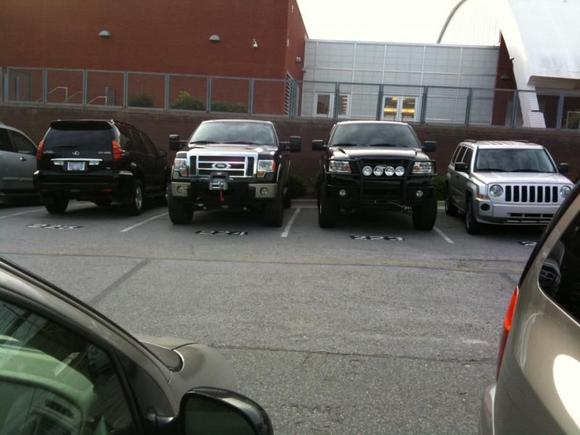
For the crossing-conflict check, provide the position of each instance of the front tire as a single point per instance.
(135, 206)
(180, 212)
(425, 215)
(327, 209)
(471, 225)
(57, 205)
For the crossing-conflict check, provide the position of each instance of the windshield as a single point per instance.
(243, 133)
(514, 160)
(374, 134)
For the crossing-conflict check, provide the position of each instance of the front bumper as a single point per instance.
(238, 192)
(115, 186)
(514, 214)
(352, 193)
(486, 417)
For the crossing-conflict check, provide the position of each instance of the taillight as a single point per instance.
(507, 326)
(40, 150)
(117, 150)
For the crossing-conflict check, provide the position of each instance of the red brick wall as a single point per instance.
(296, 41)
(152, 35)
(563, 144)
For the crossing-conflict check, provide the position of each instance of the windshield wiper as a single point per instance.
(532, 170)
(346, 144)
(201, 142)
(386, 145)
(241, 142)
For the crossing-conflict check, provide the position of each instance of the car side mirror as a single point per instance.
(175, 143)
(318, 145)
(430, 146)
(461, 167)
(563, 168)
(295, 144)
(216, 411)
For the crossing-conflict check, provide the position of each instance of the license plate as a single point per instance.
(218, 184)
(75, 166)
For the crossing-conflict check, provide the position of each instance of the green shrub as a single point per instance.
(220, 106)
(439, 183)
(186, 102)
(140, 100)
(296, 187)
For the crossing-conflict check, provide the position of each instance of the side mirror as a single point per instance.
(462, 167)
(563, 168)
(318, 145)
(295, 144)
(430, 146)
(174, 142)
(215, 411)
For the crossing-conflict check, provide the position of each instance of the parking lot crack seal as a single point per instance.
(363, 355)
(111, 288)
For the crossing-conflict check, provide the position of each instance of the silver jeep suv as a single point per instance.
(504, 182)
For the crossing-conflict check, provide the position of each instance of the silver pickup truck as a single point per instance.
(504, 182)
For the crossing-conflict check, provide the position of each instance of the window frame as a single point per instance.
(9, 142)
(15, 134)
(399, 108)
(330, 113)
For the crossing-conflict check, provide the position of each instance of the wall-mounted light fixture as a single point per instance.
(215, 38)
(104, 34)
(254, 43)
(298, 59)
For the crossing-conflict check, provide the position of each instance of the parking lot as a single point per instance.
(372, 327)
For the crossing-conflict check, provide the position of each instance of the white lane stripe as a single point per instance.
(18, 214)
(132, 227)
(290, 222)
(442, 234)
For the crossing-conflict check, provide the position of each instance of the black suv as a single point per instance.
(102, 161)
(376, 165)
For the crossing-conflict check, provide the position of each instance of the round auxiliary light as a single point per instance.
(419, 194)
(367, 171)
(399, 171)
(496, 191)
(389, 171)
(378, 171)
(342, 193)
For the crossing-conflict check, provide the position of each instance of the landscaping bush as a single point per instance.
(220, 106)
(140, 100)
(186, 102)
(439, 183)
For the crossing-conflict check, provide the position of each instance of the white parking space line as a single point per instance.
(19, 214)
(290, 222)
(132, 227)
(442, 234)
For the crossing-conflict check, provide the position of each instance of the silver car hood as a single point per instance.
(521, 178)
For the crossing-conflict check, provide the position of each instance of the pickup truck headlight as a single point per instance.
(565, 191)
(423, 168)
(266, 167)
(339, 166)
(495, 191)
(180, 167)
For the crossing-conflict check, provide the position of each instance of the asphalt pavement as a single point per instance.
(371, 327)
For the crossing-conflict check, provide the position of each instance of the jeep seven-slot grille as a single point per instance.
(531, 194)
(234, 166)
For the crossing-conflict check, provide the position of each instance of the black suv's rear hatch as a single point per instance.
(79, 140)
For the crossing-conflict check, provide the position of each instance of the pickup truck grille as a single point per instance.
(532, 194)
(234, 166)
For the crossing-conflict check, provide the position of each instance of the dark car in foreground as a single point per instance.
(17, 164)
(231, 163)
(377, 165)
(103, 161)
(66, 369)
(537, 390)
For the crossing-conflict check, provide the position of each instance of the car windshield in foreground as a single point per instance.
(374, 134)
(514, 160)
(242, 133)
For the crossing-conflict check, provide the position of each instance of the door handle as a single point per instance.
(22, 159)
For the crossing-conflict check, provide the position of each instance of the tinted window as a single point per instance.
(53, 381)
(514, 160)
(374, 134)
(97, 139)
(148, 144)
(5, 144)
(560, 274)
(235, 133)
(22, 144)
(467, 156)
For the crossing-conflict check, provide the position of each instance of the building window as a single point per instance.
(397, 108)
(324, 105)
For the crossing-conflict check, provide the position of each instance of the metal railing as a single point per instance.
(272, 97)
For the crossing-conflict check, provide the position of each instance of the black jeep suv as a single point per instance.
(376, 165)
(102, 161)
